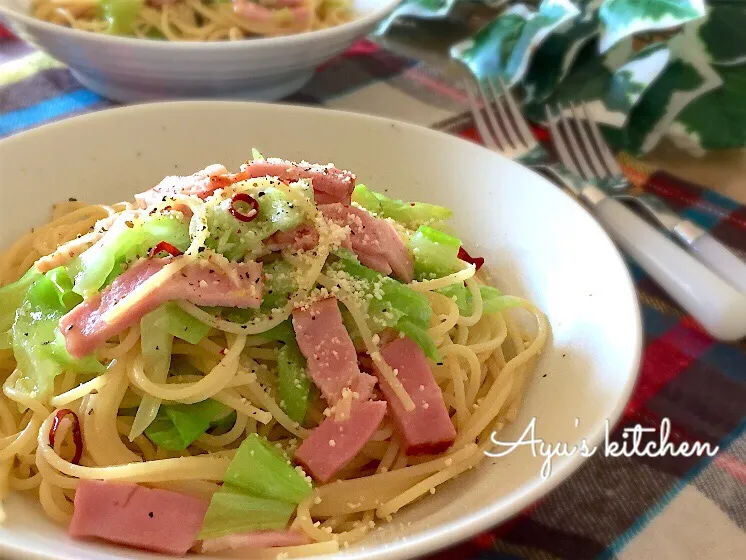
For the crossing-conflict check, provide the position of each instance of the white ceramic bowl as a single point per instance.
(537, 241)
(127, 69)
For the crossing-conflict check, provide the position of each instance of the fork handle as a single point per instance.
(714, 303)
(721, 259)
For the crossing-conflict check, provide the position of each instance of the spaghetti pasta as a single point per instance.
(195, 20)
(482, 369)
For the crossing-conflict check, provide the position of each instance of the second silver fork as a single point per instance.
(583, 150)
(713, 302)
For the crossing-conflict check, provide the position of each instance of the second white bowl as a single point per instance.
(127, 69)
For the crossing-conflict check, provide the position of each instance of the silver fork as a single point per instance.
(714, 303)
(596, 162)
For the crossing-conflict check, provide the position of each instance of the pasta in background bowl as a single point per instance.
(213, 50)
(552, 254)
(195, 20)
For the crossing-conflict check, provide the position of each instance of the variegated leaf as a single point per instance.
(588, 84)
(673, 87)
(552, 15)
(488, 52)
(505, 46)
(717, 120)
(555, 58)
(687, 77)
(632, 80)
(722, 33)
(424, 9)
(625, 18)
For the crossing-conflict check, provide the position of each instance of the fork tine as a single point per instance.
(595, 162)
(559, 143)
(496, 127)
(587, 143)
(603, 147)
(524, 131)
(484, 131)
(507, 125)
(574, 146)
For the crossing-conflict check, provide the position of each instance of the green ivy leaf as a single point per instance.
(431, 4)
(588, 84)
(687, 77)
(689, 88)
(488, 52)
(555, 58)
(505, 46)
(632, 80)
(715, 121)
(424, 9)
(624, 18)
(722, 34)
(552, 15)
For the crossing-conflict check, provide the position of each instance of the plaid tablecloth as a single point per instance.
(627, 508)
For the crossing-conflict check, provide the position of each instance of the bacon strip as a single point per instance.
(334, 443)
(84, 327)
(427, 429)
(374, 240)
(329, 351)
(132, 515)
(201, 184)
(329, 183)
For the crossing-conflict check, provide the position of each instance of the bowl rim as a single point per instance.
(448, 534)
(295, 39)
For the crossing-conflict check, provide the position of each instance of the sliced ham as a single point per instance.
(427, 429)
(334, 443)
(201, 283)
(285, 3)
(132, 515)
(201, 184)
(260, 14)
(375, 241)
(328, 349)
(301, 238)
(329, 183)
(255, 539)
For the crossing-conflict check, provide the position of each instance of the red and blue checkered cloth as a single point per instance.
(628, 508)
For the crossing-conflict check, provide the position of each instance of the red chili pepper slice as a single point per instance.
(164, 246)
(466, 257)
(77, 434)
(251, 201)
